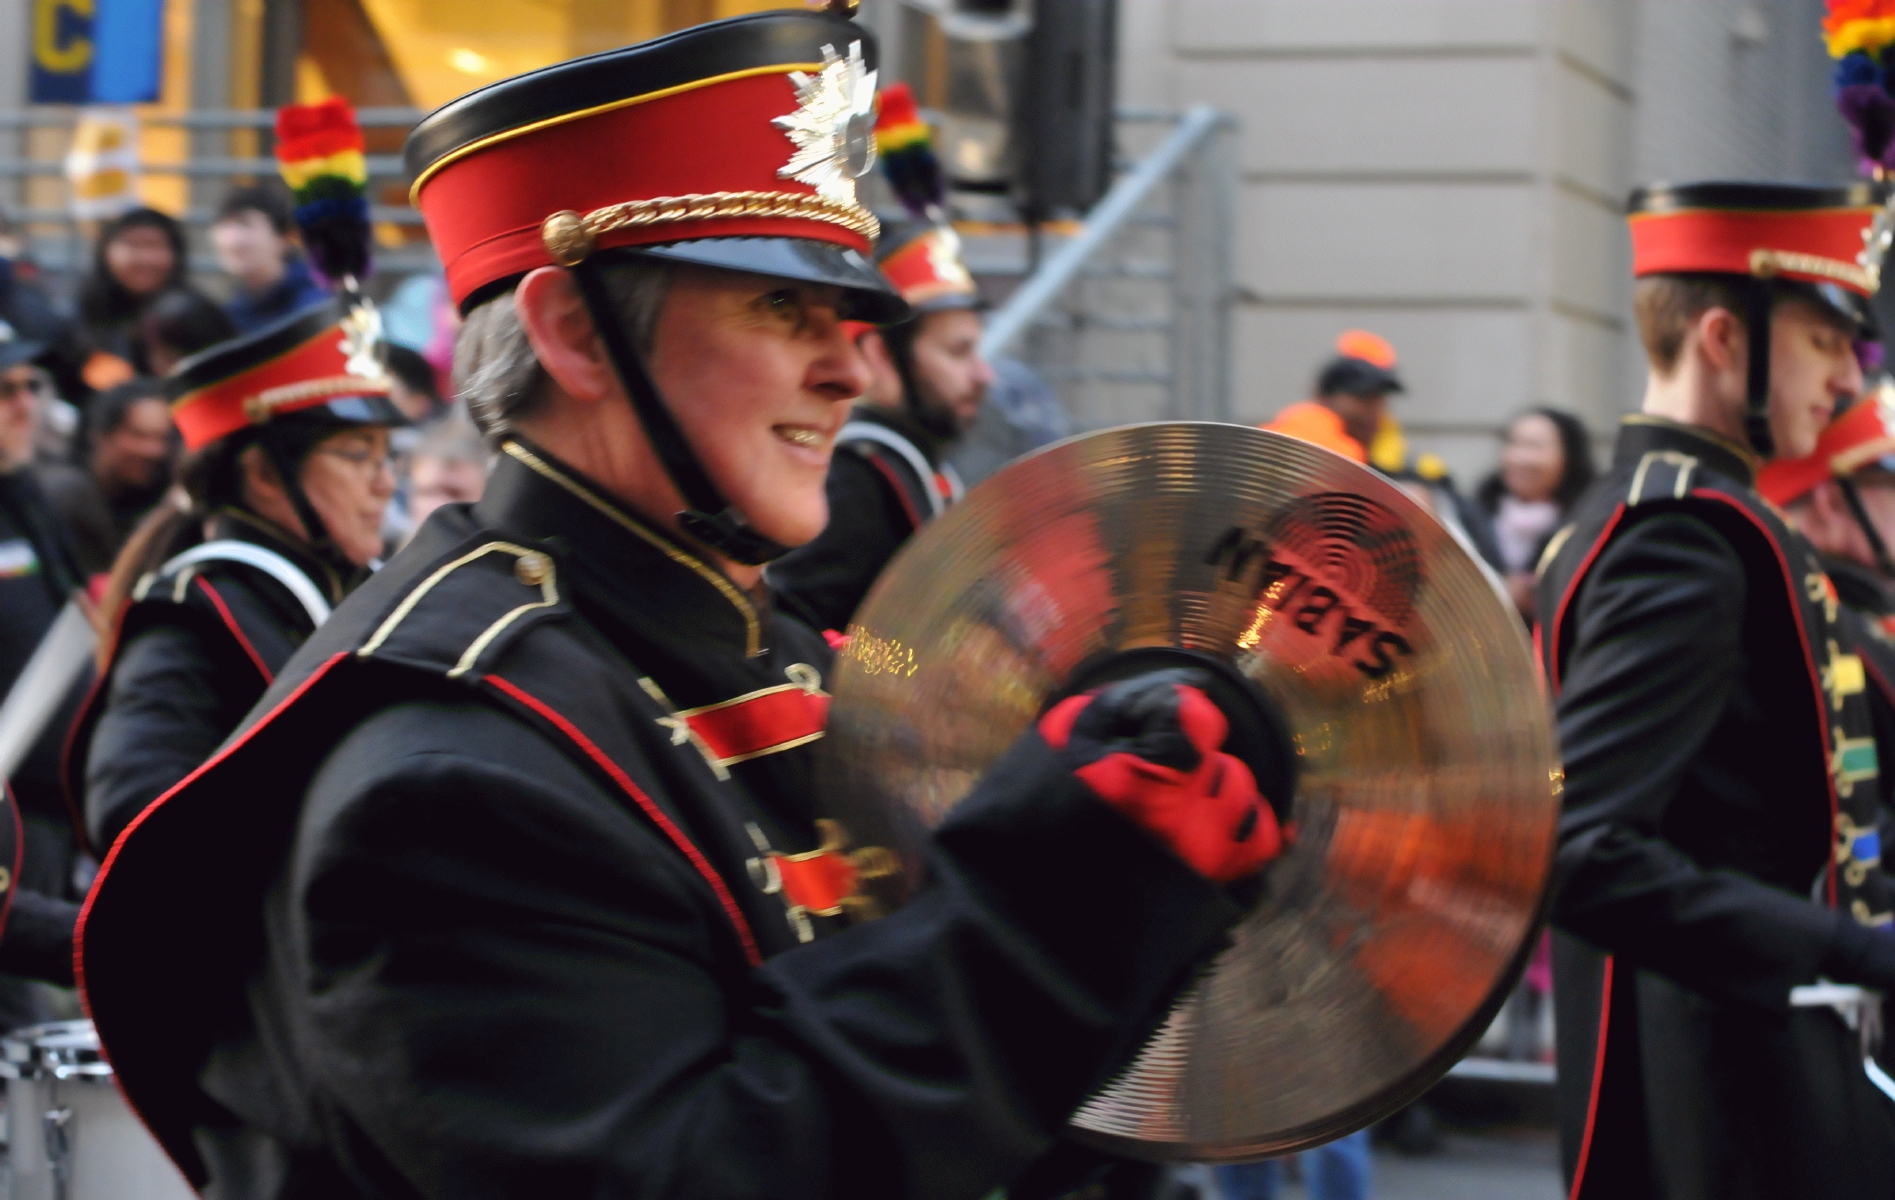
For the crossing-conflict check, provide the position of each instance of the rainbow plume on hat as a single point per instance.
(905, 146)
(1860, 34)
(319, 152)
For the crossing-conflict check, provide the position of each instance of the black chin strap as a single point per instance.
(709, 518)
(1853, 497)
(320, 543)
(1757, 385)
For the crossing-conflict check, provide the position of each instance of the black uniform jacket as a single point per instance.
(1683, 624)
(38, 572)
(876, 503)
(192, 656)
(484, 900)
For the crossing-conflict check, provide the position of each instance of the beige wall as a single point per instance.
(1449, 173)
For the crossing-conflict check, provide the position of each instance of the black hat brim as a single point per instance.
(1357, 377)
(1852, 307)
(869, 295)
(344, 412)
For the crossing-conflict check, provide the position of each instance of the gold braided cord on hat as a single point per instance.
(262, 406)
(1765, 263)
(569, 236)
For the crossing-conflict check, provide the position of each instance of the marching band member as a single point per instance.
(530, 892)
(286, 474)
(1718, 843)
(1842, 499)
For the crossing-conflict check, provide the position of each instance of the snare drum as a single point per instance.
(70, 1135)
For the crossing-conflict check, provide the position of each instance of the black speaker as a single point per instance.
(1062, 116)
(1023, 93)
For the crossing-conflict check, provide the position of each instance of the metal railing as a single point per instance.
(1130, 319)
(208, 163)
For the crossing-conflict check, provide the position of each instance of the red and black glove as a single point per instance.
(1150, 747)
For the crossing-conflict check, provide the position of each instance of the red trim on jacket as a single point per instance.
(761, 723)
(19, 854)
(818, 881)
(645, 804)
(236, 630)
(1598, 1077)
(901, 493)
(111, 859)
(1572, 589)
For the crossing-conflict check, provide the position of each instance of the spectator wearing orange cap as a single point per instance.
(1351, 399)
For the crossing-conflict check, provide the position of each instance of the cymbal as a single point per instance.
(1426, 773)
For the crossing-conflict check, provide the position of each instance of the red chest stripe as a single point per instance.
(760, 723)
(818, 881)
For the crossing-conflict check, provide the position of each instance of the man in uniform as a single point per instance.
(1718, 844)
(926, 380)
(515, 883)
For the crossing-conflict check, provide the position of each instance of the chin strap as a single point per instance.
(1757, 385)
(320, 543)
(709, 518)
(1853, 496)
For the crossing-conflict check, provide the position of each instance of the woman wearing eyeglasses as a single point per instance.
(278, 515)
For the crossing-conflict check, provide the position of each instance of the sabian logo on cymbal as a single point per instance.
(1338, 568)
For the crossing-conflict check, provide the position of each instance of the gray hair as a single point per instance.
(496, 372)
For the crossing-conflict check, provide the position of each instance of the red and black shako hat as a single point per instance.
(923, 260)
(733, 145)
(321, 364)
(1777, 237)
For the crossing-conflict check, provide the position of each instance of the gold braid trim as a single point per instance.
(569, 237)
(263, 406)
(1765, 263)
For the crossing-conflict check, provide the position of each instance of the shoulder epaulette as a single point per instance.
(1662, 475)
(468, 609)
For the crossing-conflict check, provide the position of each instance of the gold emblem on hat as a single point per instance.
(833, 127)
(567, 238)
(362, 341)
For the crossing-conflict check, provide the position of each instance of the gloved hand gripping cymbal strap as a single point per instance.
(709, 518)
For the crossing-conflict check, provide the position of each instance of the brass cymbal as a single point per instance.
(1427, 774)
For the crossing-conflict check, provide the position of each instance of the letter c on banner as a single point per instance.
(62, 58)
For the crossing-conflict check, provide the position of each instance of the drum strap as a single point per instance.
(881, 435)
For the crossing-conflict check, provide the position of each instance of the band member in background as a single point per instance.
(926, 379)
(1842, 499)
(531, 892)
(1717, 848)
(286, 471)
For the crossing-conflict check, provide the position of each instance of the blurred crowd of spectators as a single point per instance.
(86, 377)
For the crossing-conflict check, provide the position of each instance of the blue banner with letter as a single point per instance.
(97, 51)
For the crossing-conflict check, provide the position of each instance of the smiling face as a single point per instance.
(1813, 368)
(759, 375)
